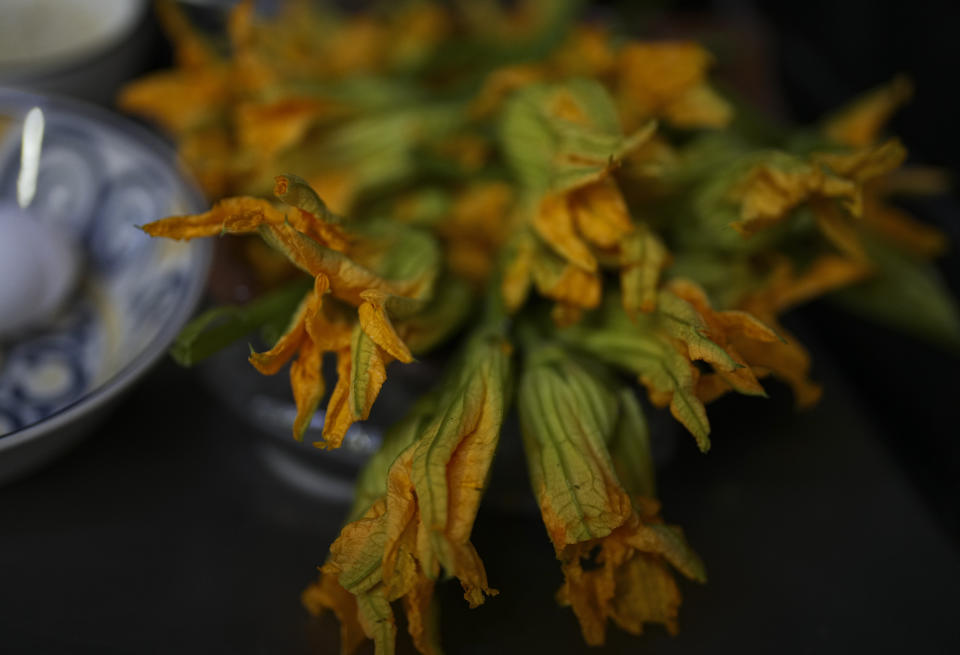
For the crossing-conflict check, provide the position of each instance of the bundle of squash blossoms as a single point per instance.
(580, 217)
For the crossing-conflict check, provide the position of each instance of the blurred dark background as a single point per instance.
(825, 53)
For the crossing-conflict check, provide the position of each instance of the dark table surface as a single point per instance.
(166, 532)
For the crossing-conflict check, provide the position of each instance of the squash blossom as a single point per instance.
(577, 217)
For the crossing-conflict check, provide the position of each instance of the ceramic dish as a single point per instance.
(99, 178)
(80, 48)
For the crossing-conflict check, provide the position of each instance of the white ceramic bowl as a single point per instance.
(100, 177)
(80, 48)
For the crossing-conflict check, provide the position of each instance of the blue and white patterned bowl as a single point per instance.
(100, 177)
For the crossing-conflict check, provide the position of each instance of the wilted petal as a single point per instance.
(770, 190)
(565, 416)
(348, 279)
(667, 80)
(376, 323)
(451, 463)
(657, 348)
(327, 594)
(722, 329)
(565, 283)
(376, 619)
(648, 594)
(642, 258)
(367, 372)
(422, 618)
(267, 128)
(271, 361)
(600, 213)
(838, 229)
(787, 360)
(862, 166)
(901, 230)
(230, 215)
(306, 380)
(554, 223)
(859, 123)
(786, 288)
(699, 106)
(313, 218)
(339, 416)
(517, 271)
(681, 320)
(614, 554)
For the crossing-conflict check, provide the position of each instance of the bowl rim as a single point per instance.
(201, 258)
(37, 69)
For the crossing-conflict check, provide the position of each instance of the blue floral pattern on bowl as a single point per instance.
(97, 183)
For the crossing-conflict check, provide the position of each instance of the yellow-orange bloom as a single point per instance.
(668, 80)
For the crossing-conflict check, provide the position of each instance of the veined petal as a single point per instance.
(339, 415)
(661, 361)
(769, 191)
(722, 328)
(554, 222)
(642, 258)
(357, 554)
(329, 330)
(270, 362)
(311, 215)
(787, 360)
(649, 595)
(376, 619)
(451, 462)
(231, 215)
(865, 163)
(682, 321)
(600, 213)
(614, 553)
(402, 570)
(347, 278)
(306, 380)
(565, 282)
(570, 469)
(420, 607)
(630, 581)
(368, 373)
(376, 324)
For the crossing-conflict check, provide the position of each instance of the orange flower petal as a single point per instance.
(306, 379)
(327, 594)
(271, 361)
(339, 415)
(554, 222)
(600, 213)
(859, 123)
(376, 323)
(234, 215)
